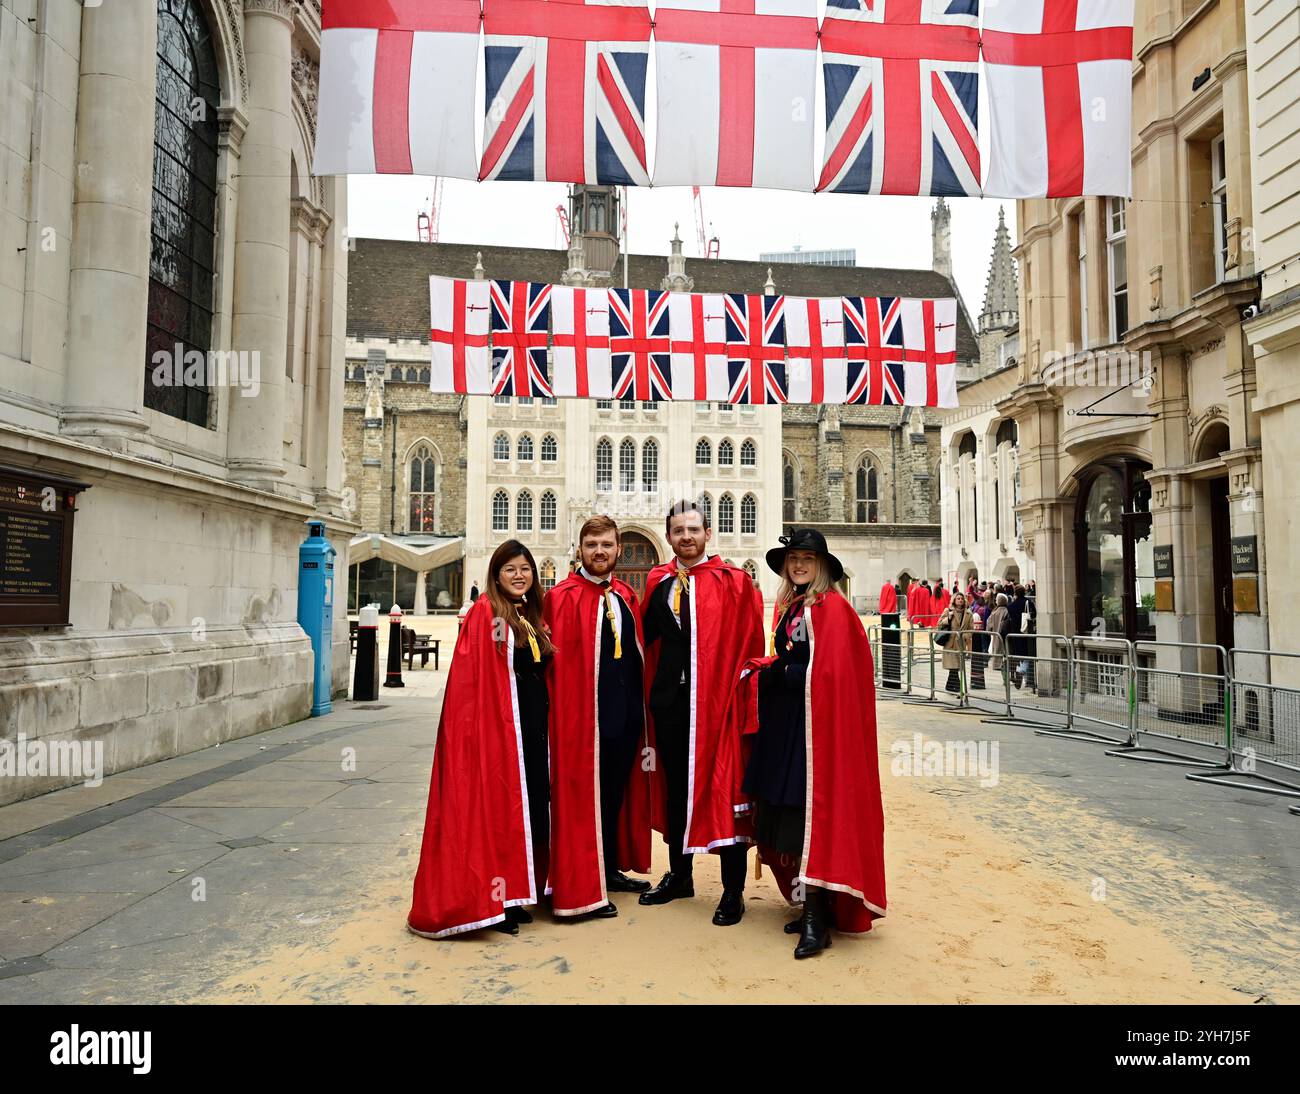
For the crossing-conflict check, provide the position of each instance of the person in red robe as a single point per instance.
(600, 790)
(939, 603)
(814, 771)
(913, 588)
(702, 620)
(483, 857)
(888, 598)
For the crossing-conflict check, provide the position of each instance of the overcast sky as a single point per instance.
(886, 231)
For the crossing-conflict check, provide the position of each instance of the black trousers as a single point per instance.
(537, 779)
(672, 741)
(618, 753)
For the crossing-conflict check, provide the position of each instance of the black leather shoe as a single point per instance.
(671, 887)
(814, 931)
(621, 883)
(731, 908)
(518, 915)
(609, 911)
(794, 926)
(506, 926)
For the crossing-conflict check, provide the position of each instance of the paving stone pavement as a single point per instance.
(156, 885)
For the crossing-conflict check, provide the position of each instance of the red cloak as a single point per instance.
(939, 604)
(888, 598)
(577, 876)
(727, 622)
(912, 590)
(844, 833)
(476, 858)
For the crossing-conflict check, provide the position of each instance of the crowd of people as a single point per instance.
(984, 624)
(576, 720)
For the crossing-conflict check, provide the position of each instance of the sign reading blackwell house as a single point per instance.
(36, 514)
(1243, 555)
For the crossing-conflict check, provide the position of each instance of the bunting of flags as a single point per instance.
(522, 339)
(735, 88)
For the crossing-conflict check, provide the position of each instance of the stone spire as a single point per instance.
(941, 238)
(1001, 297)
(677, 281)
(479, 272)
(769, 287)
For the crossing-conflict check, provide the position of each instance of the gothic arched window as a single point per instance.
(604, 465)
(550, 449)
(752, 569)
(703, 453)
(500, 511)
(650, 466)
(422, 490)
(748, 515)
(548, 575)
(524, 512)
(726, 453)
(182, 251)
(524, 449)
(726, 514)
(548, 511)
(500, 447)
(706, 507)
(867, 493)
(627, 465)
(748, 454)
(789, 509)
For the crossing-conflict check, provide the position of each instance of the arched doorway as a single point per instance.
(637, 559)
(1114, 551)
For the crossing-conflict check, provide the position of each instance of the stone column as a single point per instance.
(255, 435)
(113, 188)
(421, 593)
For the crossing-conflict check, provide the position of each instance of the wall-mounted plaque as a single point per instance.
(36, 513)
(1164, 560)
(1164, 596)
(1245, 595)
(1243, 555)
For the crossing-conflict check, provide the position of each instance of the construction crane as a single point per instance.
(709, 247)
(426, 223)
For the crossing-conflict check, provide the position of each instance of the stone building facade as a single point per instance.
(867, 476)
(1135, 397)
(159, 212)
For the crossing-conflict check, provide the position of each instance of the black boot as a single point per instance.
(518, 915)
(671, 886)
(731, 908)
(815, 931)
(952, 684)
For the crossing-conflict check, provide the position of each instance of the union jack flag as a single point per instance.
(566, 91)
(876, 351)
(521, 313)
(756, 349)
(640, 350)
(902, 97)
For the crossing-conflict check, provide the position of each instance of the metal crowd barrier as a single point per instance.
(1190, 704)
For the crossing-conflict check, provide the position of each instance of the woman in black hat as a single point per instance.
(816, 698)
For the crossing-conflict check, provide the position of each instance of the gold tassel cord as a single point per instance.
(680, 588)
(532, 636)
(609, 614)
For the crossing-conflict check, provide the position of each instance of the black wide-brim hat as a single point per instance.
(804, 539)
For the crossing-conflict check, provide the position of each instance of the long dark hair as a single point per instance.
(509, 609)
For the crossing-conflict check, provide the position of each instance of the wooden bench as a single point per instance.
(421, 644)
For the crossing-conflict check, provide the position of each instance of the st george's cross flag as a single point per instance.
(930, 342)
(639, 345)
(458, 336)
(397, 81)
(816, 363)
(1059, 75)
(697, 328)
(755, 348)
(874, 345)
(902, 97)
(521, 314)
(736, 86)
(580, 343)
(566, 91)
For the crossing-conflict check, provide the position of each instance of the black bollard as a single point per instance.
(365, 673)
(393, 678)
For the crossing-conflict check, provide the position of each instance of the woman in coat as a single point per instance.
(995, 628)
(486, 840)
(813, 772)
(957, 620)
